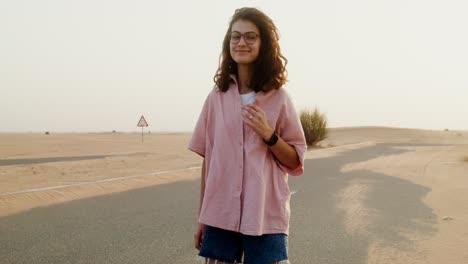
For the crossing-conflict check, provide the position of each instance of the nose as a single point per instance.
(242, 41)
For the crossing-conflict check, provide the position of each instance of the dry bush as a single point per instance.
(314, 125)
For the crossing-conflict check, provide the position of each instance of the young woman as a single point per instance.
(251, 138)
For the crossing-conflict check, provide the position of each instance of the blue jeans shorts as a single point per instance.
(229, 246)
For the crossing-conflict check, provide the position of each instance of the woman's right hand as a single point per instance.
(198, 237)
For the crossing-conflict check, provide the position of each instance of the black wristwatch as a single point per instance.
(273, 139)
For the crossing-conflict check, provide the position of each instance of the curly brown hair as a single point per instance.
(269, 69)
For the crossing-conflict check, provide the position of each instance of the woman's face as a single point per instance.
(245, 42)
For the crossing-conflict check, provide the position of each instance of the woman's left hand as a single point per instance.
(255, 118)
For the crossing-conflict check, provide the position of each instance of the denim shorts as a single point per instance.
(229, 246)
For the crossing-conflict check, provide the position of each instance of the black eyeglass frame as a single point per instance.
(243, 35)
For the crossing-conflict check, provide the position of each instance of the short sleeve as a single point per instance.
(197, 143)
(290, 130)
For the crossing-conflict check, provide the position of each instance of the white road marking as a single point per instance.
(98, 181)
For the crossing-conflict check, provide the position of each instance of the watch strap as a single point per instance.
(273, 139)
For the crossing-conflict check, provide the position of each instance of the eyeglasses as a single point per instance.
(249, 37)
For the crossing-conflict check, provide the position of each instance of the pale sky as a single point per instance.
(98, 65)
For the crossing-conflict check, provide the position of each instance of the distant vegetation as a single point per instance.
(465, 158)
(314, 125)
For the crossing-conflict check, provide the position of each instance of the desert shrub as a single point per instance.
(314, 125)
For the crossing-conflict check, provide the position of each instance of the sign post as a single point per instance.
(142, 123)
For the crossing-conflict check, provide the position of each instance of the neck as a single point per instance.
(244, 72)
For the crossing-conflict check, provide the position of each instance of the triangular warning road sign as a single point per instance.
(142, 122)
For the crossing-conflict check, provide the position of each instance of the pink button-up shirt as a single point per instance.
(246, 188)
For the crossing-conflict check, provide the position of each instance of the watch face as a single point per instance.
(274, 139)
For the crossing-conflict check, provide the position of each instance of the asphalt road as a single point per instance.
(156, 224)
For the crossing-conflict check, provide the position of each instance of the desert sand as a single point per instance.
(107, 163)
(122, 162)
